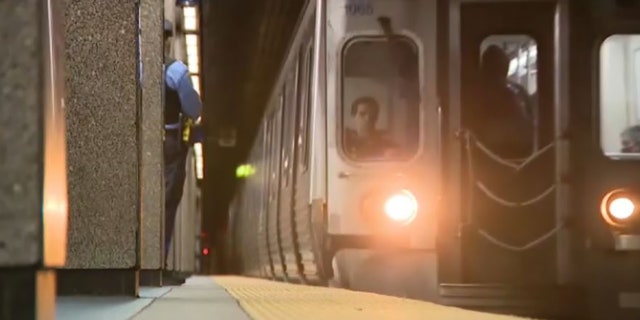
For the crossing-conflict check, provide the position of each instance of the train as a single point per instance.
(495, 135)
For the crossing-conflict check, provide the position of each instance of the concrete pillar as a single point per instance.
(152, 158)
(33, 187)
(104, 112)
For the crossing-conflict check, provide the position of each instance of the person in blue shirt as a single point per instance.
(181, 101)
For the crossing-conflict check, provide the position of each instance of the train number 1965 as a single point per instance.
(358, 8)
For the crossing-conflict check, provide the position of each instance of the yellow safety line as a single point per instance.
(270, 300)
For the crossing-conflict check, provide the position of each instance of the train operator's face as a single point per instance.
(628, 146)
(365, 119)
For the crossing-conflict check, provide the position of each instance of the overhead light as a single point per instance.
(190, 18)
(192, 51)
(187, 3)
(195, 80)
(194, 68)
(192, 59)
(191, 40)
(197, 148)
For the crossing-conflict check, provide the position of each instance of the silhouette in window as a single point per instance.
(499, 121)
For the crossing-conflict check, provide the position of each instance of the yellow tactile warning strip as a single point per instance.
(269, 300)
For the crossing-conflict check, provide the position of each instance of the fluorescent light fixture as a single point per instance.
(190, 18)
(194, 68)
(197, 148)
(195, 79)
(191, 39)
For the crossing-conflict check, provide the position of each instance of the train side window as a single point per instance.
(265, 166)
(288, 126)
(620, 96)
(278, 138)
(380, 98)
(266, 181)
(305, 95)
(301, 106)
(507, 96)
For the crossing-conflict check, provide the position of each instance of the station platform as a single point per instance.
(240, 298)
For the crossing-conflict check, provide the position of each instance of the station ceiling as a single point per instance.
(243, 46)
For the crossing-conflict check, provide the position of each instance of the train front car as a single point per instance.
(383, 167)
(605, 107)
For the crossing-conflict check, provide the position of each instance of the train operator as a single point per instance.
(630, 139)
(365, 142)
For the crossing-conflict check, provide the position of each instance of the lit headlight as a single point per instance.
(401, 207)
(621, 208)
(618, 207)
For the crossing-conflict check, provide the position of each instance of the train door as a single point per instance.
(503, 106)
(302, 177)
(273, 209)
(266, 259)
(285, 218)
(382, 121)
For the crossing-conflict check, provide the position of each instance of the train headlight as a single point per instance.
(401, 207)
(385, 209)
(618, 208)
(621, 208)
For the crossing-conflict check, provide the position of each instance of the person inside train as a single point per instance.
(630, 139)
(365, 141)
(499, 121)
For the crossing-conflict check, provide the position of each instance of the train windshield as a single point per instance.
(620, 96)
(380, 99)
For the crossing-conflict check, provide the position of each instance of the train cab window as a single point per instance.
(620, 96)
(507, 96)
(380, 98)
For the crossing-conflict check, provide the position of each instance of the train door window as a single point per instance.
(380, 98)
(277, 141)
(507, 116)
(620, 96)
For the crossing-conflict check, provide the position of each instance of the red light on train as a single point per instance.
(205, 251)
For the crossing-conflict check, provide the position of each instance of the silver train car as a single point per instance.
(497, 135)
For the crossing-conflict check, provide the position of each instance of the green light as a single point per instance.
(245, 171)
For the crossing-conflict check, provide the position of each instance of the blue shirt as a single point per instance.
(177, 78)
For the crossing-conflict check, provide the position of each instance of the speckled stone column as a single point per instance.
(151, 21)
(103, 148)
(33, 183)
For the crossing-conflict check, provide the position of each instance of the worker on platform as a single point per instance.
(182, 107)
